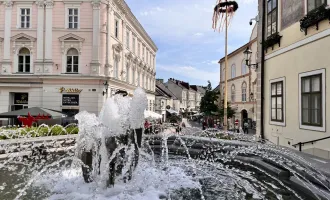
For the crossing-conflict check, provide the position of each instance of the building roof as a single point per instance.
(160, 93)
(163, 89)
(182, 84)
(217, 89)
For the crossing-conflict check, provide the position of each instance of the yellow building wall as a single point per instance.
(310, 57)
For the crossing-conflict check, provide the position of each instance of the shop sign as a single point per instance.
(70, 90)
(70, 100)
(21, 98)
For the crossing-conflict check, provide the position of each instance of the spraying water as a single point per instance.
(190, 165)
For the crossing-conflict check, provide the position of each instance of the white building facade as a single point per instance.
(55, 55)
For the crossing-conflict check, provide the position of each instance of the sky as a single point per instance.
(188, 48)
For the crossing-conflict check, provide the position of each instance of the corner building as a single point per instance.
(297, 63)
(59, 54)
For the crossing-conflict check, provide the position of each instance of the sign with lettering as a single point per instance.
(70, 100)
(292, 12)
(21, 98)
(70, 90)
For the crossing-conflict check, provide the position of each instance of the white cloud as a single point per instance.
(152, 11)
(178, 20)
(198, 34)
(192, 72)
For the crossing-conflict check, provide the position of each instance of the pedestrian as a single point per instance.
(204, 125)
(246, 127)
(146, 126)
(183, 125)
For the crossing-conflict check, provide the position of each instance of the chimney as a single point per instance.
(160, 80)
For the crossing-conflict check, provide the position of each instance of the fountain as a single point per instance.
(110, 158)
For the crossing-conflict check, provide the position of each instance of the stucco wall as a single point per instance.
(306, 58)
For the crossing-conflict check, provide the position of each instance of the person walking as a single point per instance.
(204, 125)
(246, 127)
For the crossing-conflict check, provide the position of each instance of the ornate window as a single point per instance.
(233, 71)
(271, 17)
(24, 59)
(244, 92)
(72, 61)
(23, 49)
(233, 93)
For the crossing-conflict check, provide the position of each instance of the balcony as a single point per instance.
(314, 17)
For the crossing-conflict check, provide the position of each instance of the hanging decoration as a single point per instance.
(219, 15)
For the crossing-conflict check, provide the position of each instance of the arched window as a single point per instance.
(233, 93)
(127, 72)
(72, 61)
(244, 68)
(115, 68)
(24, 59)
(243, 92)
(223, 92)
(233, 71)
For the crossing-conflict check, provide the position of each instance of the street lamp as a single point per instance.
(106, 86)
(248, 54)
(251, 96)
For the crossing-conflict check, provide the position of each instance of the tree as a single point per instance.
(209, 101)
(230, 111)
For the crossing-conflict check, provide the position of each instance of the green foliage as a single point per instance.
(39, 131)
(230, 111)
(209, 101)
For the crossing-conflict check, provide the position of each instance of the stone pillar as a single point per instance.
(109, 47)
(6, 63)
(39, 68)
(95, 64)
(48, 62)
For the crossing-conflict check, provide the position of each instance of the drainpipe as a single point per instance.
(262, 128)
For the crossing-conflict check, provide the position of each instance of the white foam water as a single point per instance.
(148, 183)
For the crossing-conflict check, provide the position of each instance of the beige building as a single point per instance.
(296, 68)
(241, 84)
